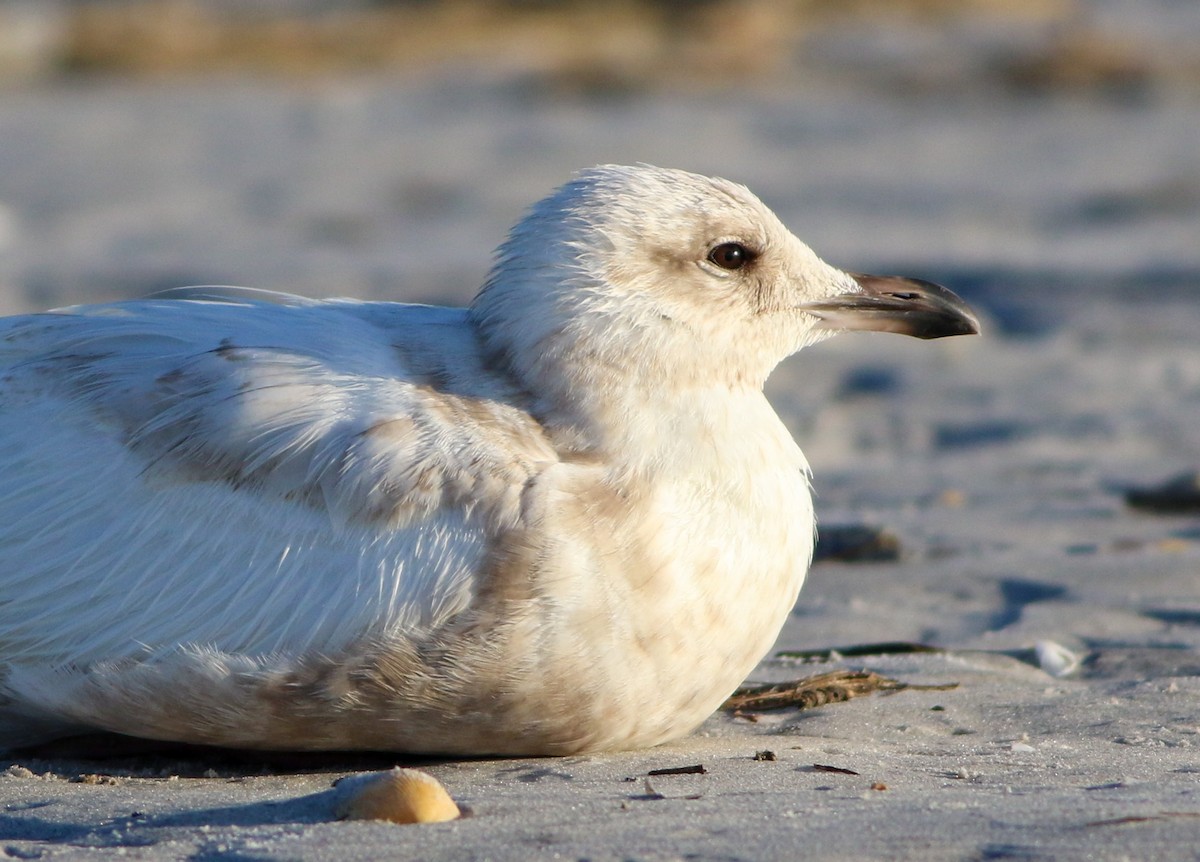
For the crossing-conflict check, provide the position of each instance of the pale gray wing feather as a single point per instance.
(246, 477)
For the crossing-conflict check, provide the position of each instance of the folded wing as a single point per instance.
(247, 477)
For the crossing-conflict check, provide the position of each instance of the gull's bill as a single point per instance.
(891, 303)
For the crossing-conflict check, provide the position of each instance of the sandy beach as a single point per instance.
(999, 465)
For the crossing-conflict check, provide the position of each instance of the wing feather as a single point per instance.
(246, 477)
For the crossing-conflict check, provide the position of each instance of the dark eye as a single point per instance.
(730, 255)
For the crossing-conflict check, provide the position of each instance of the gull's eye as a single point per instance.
(730, 255)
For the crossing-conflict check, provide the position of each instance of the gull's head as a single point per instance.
(664, 274)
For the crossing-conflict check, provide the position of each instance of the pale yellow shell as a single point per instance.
(398, 795)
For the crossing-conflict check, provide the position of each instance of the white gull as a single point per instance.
(564, 519)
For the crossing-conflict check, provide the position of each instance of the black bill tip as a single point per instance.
(889, 303)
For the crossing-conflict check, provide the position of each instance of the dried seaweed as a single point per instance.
(819, 690)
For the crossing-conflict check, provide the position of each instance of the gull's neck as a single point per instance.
(644, 416)
(609, 376)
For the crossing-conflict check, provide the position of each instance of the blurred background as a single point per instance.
(1041, 157)
(380, 149)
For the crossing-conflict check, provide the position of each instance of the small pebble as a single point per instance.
(398, 795)
(952, 498)
(1055, 659)
(1178, 494)
(856, 543)
(1173, 546)
(95, 778)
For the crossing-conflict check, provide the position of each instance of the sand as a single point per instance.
(999, 463)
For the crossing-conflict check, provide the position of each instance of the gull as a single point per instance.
(564, 519)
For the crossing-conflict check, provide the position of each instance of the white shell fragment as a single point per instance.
(1055, 659)
(397, 795)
